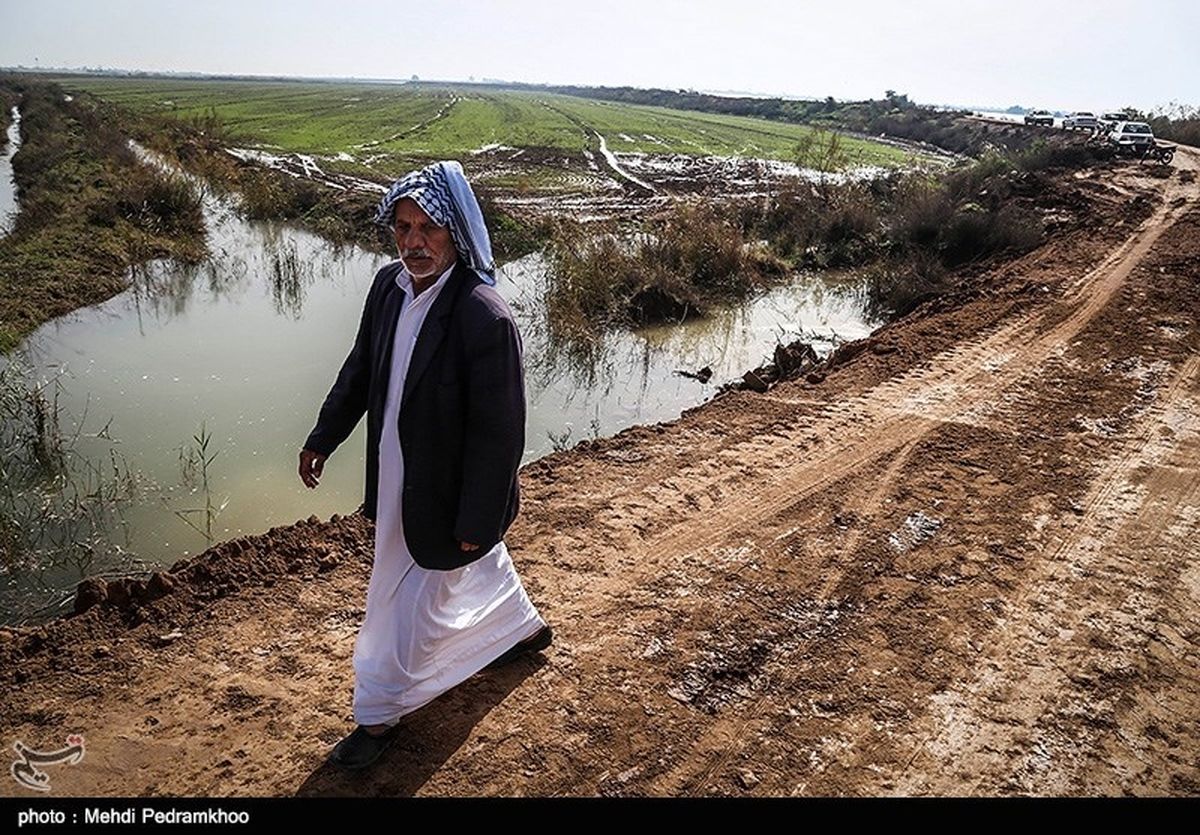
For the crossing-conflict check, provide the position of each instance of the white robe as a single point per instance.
(426, 631)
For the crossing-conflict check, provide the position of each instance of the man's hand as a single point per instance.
(468, 546)
(311, 465)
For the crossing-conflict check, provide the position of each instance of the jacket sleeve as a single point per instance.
(347, 399)
(495, 432)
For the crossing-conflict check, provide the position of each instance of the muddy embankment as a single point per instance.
(87, 207)
(959, 560)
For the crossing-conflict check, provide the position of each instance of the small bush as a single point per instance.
(895, 287)
(592, 276)
(701, 245)
(920, 210)
(155, 202)
(267, 195)
(1044, 155)
(677, 266)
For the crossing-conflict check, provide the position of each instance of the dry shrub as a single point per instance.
(827, 224)
(702, 246)
(267, 195)
(156, 202)
(678, 265)
(591, 277)
(896, 286)
(920, 211)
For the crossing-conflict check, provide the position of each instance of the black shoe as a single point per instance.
(360, 749)
(539, 641)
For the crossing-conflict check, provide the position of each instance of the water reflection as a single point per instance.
(635, 376)
(242, 349)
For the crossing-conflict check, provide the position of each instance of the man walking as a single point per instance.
(437, 368)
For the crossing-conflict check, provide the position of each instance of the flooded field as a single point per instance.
(522, 145)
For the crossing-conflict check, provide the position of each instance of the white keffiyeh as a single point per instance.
(443, 193)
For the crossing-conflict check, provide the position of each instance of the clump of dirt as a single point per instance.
(162, 600)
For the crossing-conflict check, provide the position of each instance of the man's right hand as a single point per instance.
(311, 465)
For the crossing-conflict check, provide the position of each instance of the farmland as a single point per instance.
(383, 128)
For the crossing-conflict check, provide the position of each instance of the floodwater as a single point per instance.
(8, 188)
(245, 348)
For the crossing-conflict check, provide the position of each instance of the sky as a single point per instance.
(1060, 54)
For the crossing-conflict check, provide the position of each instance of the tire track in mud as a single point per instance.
(725, 739)
(974, 727)
(950, 387)
(415, 129)
(964, 384)
(595, 143)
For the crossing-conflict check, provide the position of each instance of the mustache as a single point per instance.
(416, 253)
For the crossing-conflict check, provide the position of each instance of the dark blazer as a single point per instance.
(462, 414)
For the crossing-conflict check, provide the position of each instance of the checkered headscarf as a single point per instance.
(443, 193)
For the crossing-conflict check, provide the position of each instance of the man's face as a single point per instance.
(426, 249)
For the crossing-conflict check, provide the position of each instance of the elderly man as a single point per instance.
(437, 368)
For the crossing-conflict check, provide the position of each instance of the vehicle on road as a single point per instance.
(1081, 120)
(1110, 120)
(1137, 139)
(1132, 135)
(1039, 117)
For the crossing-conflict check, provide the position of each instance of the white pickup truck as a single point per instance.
(1083, 120)
(1132, 136)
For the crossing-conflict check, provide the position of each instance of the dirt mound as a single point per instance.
(108, 609)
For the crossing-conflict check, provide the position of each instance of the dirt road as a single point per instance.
(965, 563)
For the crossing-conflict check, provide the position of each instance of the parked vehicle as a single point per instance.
(1039, 117)
(1132, 136)
(1081, 120)
(1136, 139)
(1110, 120)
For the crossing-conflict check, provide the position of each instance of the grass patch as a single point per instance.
(198, 143)
(394, 124)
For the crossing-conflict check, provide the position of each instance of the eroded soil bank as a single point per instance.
(963, 562)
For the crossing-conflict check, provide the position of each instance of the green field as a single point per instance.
(388, 126)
